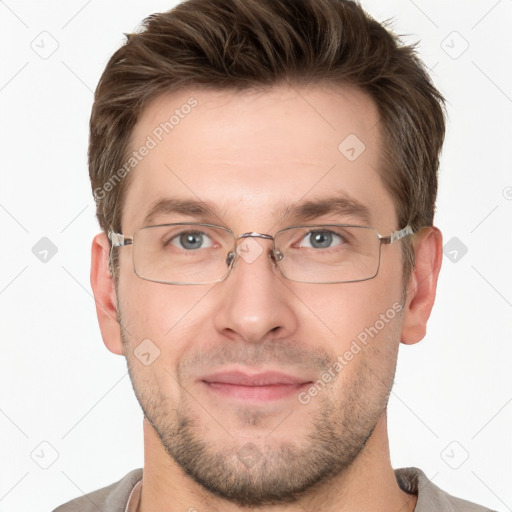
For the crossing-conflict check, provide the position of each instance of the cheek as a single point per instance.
(344, 312)
(366, 362)
(157, 308)
(160, 324)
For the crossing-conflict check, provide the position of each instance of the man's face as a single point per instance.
(250, 156)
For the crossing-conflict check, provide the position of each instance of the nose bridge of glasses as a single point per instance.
(239, 240)
(255, 234)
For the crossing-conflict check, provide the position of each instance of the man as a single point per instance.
(265, 174)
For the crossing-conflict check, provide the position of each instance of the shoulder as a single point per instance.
(112, 498)
(431, 497)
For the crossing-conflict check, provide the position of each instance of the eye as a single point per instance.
(191, 240)
(321, 239)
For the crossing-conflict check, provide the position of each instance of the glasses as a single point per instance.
(205, 253)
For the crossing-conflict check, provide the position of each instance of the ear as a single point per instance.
(421, 291)
(105, 294)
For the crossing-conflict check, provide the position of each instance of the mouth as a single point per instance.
(261, 387)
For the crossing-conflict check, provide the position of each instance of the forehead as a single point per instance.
(247, 152)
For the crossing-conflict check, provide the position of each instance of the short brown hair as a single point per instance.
(245, 44)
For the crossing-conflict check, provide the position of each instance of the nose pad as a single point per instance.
(276, 255)
(229, 259)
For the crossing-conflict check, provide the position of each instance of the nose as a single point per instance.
(255, 303)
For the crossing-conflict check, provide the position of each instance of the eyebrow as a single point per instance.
(186, 207)
(298, 212)
(342, 205)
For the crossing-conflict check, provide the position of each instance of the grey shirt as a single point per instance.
(123, 496)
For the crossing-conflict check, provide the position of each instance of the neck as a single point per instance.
(369, 484)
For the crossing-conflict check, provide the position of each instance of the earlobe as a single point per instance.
(421, 291)
(104, 294)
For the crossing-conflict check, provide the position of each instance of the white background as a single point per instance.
(59, 384)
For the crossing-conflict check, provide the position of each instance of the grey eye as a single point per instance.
(321, 239)
(191, 240)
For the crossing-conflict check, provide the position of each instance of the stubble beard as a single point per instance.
(275, 469)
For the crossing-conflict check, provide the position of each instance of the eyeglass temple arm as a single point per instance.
(397, 235)
(118, 239)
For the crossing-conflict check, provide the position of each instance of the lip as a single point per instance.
(257, 387)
